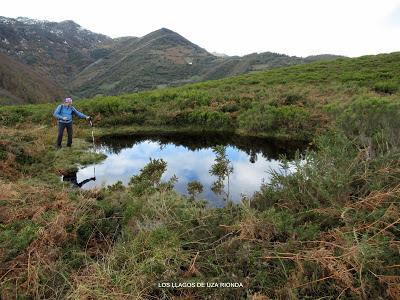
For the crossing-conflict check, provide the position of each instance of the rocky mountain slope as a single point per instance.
(160, 58)
(60, 50)
(21, 84)
(87, 64)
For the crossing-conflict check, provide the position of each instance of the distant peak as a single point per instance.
(162, 31)
(68, 22)
(165, 30)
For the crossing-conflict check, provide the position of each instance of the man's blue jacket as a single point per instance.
(67, 111)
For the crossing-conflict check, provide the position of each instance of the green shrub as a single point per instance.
(370, 118)
(212, 119)
(322, 178)
(149, 178)
(287, 120)
(292, 98)
(387, 87)
(194, 188)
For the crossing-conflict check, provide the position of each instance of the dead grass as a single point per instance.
(30, 203)
(342, 258)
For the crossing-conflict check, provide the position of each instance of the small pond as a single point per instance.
(190, 158)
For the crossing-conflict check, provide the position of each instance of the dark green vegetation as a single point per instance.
(88, 64)
(331, 229)
(222, 169)
(197, 140)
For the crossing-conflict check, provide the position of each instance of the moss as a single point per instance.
(67, 160)
(16, 237)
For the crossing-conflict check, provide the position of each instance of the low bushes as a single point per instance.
(387, 87)
(372, 118)
(287, 120)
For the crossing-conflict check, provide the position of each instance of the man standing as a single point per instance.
(63, 113)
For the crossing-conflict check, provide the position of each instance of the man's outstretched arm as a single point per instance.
(86, 181)
(79, 114)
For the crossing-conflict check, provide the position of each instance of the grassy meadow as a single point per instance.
(331, 230)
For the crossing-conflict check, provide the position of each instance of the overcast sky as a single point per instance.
(237, 27)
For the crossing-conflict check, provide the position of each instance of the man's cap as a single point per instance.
(67, 100)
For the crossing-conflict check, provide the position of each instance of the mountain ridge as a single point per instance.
(88, 64)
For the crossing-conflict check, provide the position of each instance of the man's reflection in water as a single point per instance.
(71, 177)
(253, 156)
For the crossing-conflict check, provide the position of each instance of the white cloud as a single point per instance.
(393, 20)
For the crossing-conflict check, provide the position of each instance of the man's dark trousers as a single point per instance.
(61, 127)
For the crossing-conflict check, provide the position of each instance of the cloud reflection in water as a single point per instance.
(186, 164)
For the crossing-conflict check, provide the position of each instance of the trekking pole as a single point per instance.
(94, 167)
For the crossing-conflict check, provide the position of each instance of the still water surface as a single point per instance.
(189, 157)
